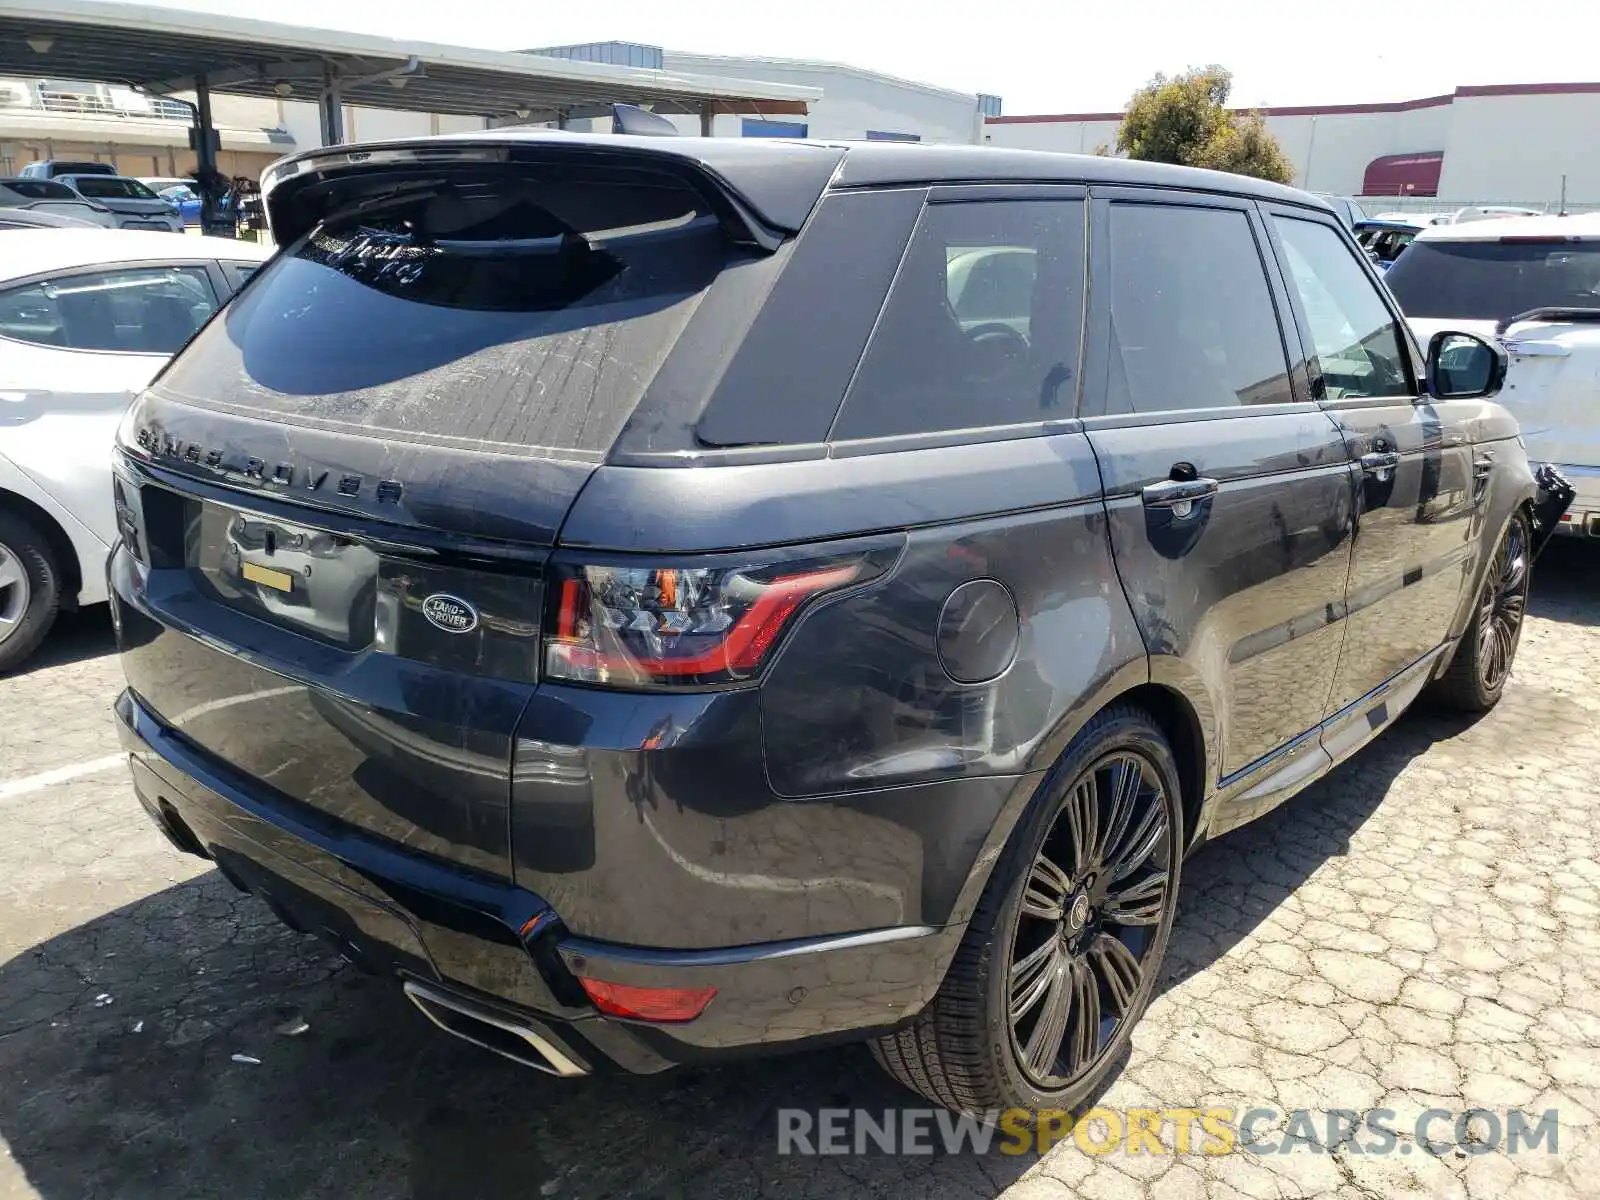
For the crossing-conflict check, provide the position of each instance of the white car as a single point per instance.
(1490, 212)
(87, 317)
(162, 183)
(1533, 283)
(56, 199)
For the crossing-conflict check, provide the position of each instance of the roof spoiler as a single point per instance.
(766, 190)
(1572, 316)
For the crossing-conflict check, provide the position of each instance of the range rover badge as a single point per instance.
(450, 613)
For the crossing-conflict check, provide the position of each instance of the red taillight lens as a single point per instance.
(628, 625)
(645, 1003)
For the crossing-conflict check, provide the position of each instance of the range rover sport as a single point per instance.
(666, 599)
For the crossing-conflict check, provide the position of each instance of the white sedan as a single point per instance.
(87, 317)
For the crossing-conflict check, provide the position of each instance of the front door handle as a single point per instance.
(1379, 460)
(1179, 495)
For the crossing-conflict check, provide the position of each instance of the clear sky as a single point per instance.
(1043, 57)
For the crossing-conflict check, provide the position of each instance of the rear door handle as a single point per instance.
(1179, 495)
(1483, 464)
(1380, 460)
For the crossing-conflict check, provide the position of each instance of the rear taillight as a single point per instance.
(631, 625)
(647, 1003)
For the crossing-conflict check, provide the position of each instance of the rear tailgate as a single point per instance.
(341, 495)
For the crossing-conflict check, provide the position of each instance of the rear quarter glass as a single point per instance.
(488, 309)
(788, 376)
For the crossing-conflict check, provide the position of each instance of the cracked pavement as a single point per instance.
(1420, 930)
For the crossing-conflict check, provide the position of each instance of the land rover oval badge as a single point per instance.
(450, 613)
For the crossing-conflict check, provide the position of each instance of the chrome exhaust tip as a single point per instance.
(493, 1032)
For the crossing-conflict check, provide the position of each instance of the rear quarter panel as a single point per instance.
(860, 785)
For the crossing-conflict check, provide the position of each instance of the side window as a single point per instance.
(1192, 319)
(1357, 346)
(982, 326)
(139, 310)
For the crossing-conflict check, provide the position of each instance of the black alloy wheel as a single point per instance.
(1505, 600)
(1087, 923)
(1062, 951)
(1477, 674)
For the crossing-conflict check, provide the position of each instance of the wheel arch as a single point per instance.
(1488, 539)
(61, 547)
(1180, 723)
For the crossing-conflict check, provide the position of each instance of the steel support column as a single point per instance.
(205, 159)
(330, 111)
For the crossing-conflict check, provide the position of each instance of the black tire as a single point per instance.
(34, 592)
(966, 1050)
(1476, 677)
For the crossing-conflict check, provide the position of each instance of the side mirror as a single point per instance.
(1463, 366)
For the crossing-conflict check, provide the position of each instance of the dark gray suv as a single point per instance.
(667, 599)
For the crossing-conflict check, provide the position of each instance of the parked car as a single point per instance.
(188, 203)
(135, 206)
(1383, 240)
(51, 168)
(27, 218)
(1347, 210)
(185, 199)
(160, 183)
(48, 196)
(625, 590)
(1489, 212)
(1533, 283)
(1419, 218)
(87, 316)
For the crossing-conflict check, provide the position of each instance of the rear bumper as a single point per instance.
(472, 944)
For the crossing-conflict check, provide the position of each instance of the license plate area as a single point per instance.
(314, 582)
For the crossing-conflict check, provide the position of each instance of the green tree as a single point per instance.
(1185, 120)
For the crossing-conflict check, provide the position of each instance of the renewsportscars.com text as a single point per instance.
(1182, 1131)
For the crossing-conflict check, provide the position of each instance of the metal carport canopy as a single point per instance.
(163, 50)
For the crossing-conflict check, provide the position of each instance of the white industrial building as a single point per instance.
(855, 104)
(1508, 143)
(1505, 143)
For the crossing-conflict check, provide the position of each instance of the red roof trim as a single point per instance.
(1337, 110)
(1530, 89)
(1035, 118)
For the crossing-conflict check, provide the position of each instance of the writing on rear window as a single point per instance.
(487, 308)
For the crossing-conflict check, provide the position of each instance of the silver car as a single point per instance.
(135, 205)
(35, 196)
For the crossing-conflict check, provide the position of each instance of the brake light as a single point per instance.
(635, 626)
(1531, 239)
(647, 1003)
